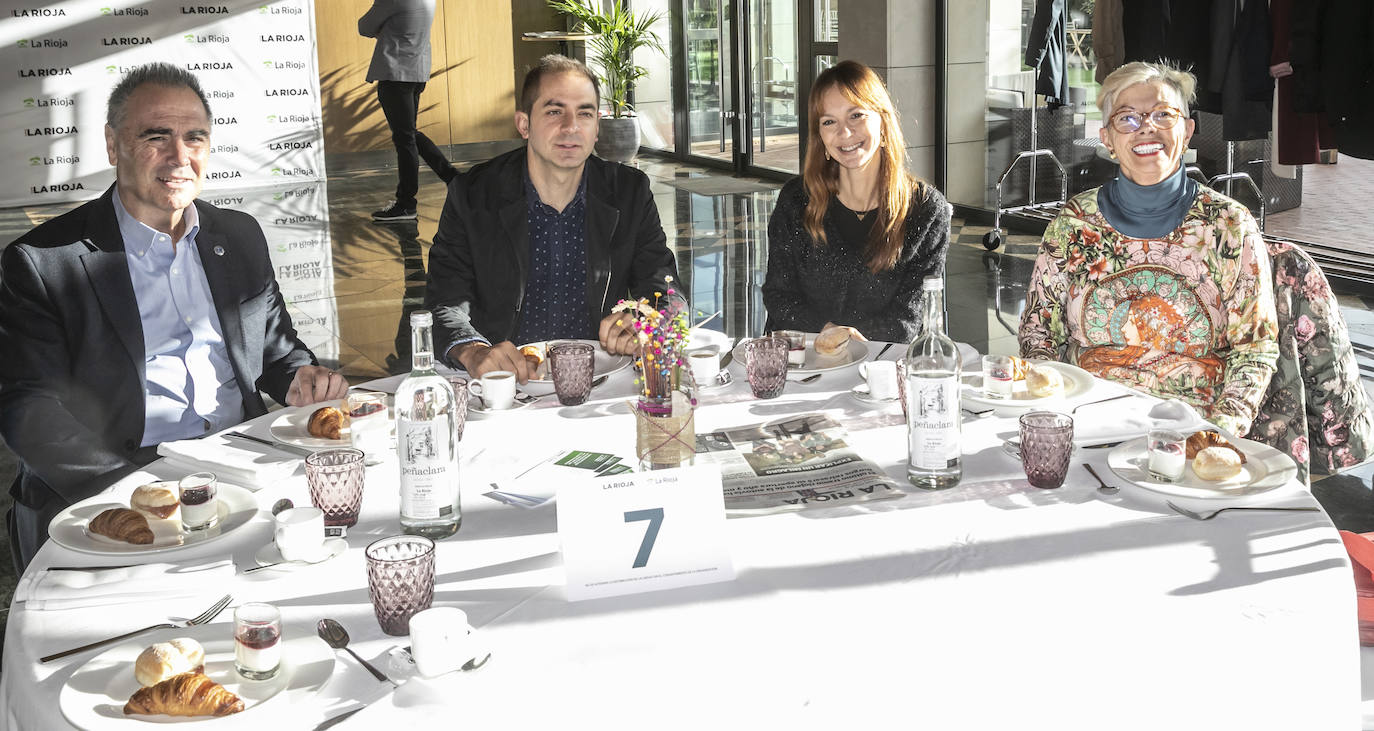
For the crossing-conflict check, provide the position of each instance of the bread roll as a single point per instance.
(165, 659)
(831, 341)
(1217, 463)
(1043, 381)
(155, 501)
(327, 423)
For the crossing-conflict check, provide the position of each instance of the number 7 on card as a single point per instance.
(645, 531)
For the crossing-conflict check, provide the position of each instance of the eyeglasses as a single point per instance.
(1159, 117)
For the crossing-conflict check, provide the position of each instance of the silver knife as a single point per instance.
(275, 445)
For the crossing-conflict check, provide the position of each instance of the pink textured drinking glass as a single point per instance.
(571, 365)
(400, 580)
(460, 404)
(1046, 445)
(335, 478)
(766, 366)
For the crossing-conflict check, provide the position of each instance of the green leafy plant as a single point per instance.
(617, 33)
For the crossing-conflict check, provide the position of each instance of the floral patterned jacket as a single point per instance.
(1189, 315)
(1316, 410)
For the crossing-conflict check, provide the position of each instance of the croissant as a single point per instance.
(188, 694)
(1203, 439)
(122, 524)
(327, 423)
(534, 354)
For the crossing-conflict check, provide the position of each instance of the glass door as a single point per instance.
(710, 102)
(774, 83)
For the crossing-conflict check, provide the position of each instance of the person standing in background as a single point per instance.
(400, 66)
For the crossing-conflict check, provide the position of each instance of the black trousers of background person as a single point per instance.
(400, 102)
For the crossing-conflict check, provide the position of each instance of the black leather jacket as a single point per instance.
(479, 264)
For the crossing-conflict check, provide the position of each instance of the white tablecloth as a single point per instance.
(991, 605)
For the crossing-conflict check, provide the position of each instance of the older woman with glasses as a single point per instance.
(1153, 280)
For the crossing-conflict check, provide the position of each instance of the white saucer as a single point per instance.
(332, 548)
(522, 400)
(860, 393)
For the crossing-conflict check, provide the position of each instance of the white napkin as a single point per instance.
(53, 590)
(242, 463)
(1119, 425)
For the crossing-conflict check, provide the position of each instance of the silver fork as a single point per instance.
(201, 618)
(1208, 516)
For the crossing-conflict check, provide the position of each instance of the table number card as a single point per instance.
(631, 533)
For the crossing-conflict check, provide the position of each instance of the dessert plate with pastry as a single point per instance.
(1216, 467)
(830, 350)
(536, 354)
(146, 520)
(1036, 383)
(317, 426)
(187, 676)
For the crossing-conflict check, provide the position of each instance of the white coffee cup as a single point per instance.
(882, 378)
(299, 533)
(496, 388)
(440, 640)
(705, 364)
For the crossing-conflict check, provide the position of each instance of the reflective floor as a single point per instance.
(350, 284)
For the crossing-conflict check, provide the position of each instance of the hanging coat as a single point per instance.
(1347, 73)
(1299, 136)
(1239, 82)
(1109, 45)
(1047, 50)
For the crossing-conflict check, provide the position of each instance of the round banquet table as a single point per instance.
(990, 605)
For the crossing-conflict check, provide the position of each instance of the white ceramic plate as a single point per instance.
(237, 507)
(94, 696)
(1076, 383)
(292, 427)
(855, 354)
(602, 362)
(268, 554)
(1265, 468)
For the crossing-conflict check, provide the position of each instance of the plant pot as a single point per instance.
(618, 139)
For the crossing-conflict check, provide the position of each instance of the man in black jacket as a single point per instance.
(541, 242)
(140, 317)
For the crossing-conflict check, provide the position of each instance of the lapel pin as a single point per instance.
(219, 251)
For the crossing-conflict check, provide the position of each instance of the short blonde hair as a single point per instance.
(1180, 82)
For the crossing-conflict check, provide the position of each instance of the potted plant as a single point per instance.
(617, 33)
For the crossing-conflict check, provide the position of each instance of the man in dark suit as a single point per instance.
(400, 66)
(140, 317)
(541, 242)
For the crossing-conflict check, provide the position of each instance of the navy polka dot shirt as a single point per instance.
(556, 293)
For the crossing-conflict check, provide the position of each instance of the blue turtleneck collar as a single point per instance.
(1147, 211)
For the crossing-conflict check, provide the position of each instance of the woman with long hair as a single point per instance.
(851, 240)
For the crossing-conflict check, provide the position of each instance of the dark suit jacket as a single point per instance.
(72, 379)
(479, 263)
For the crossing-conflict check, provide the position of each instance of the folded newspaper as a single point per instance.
(801, 462)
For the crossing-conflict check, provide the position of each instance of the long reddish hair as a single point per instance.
(821, 176)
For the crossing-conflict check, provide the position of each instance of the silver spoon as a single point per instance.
(336, 637)
(282, 506)
(1103, 487)
(809, 379)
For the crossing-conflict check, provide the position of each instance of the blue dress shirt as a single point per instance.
(556, 293)
(190, 383)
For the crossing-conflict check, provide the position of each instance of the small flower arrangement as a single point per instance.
(661, 329)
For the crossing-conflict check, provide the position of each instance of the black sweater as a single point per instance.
(809, 284)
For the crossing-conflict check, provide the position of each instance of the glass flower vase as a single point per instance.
(665, 427)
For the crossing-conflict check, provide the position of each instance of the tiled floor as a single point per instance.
(350, 284)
